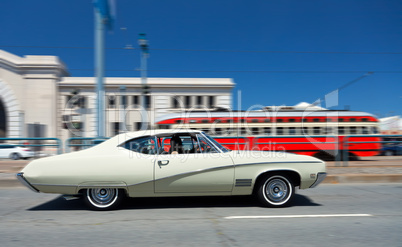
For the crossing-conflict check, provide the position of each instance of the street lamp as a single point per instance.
(143, 43)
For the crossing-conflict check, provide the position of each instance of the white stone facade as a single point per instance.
(36, 90)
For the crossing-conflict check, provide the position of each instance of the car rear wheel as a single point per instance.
(102, 198)
(276, 191)
(389, 153)
(15, 156)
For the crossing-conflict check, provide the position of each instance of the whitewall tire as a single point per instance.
(102, 198)
(276, 191)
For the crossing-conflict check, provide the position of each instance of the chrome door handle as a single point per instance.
(163, 162)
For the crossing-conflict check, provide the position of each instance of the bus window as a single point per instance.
(243, 131)
(218, 131)
(255, 131)
(292, 131)
(374, 130)
(267, 131)
(341, 130)
(316, 130)
(305, 131)
(353, 130)
(279, 131)
(365, 130)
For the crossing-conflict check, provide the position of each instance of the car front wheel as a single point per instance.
(15, 156)
(102, 198)
(276, 191)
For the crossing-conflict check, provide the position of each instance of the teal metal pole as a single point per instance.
(99, 71)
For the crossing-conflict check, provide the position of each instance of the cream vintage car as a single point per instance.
(163, 163)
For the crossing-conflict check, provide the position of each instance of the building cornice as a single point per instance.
(135, 82)
(34, 65)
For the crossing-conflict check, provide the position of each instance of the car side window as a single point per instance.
(177, 144)
(144, 145)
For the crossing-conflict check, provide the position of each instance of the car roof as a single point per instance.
(122, 138)
(158, 132)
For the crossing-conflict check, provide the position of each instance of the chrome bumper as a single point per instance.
(20, 177)
(320, 177)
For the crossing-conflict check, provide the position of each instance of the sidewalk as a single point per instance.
(377, 169)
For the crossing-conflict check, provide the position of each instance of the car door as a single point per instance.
(135, 165)
(202, 171)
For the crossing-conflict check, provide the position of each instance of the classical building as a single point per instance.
(391, 125)
(38, 98)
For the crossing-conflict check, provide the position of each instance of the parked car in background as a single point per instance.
(15, 152)
(162, 163)
(392, 147)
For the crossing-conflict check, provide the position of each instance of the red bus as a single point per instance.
(321, 133)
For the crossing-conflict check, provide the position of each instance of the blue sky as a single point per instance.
(277, 52)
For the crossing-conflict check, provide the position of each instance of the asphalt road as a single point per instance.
(329, 215)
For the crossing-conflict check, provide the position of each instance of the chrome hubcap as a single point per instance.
(276, 190)
(102, 197)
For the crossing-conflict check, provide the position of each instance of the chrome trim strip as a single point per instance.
(280, 162)
(320, 177)
(20, 177)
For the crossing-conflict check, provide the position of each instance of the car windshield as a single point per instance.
(215, 143)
